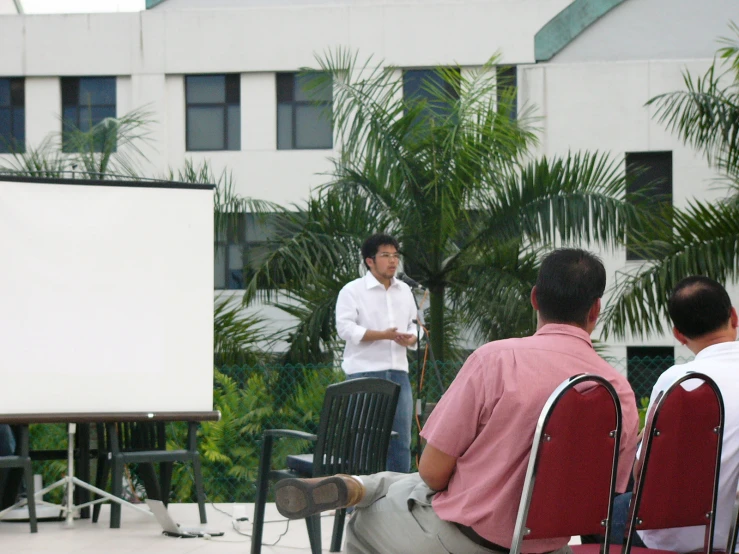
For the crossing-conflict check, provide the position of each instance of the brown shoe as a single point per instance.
(299, 498)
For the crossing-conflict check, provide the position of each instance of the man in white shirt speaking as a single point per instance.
(375, 316)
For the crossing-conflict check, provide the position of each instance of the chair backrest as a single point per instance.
(677, 484)
(571, 476)
(354, 431)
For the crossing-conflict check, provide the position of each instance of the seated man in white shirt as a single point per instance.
(375, 316)
(704, 321)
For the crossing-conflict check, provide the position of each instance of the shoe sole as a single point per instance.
(297, 499)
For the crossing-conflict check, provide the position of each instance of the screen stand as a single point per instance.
(70, 481)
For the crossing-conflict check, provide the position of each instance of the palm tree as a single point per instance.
(702, 239)
(451, 178)
(110, 149)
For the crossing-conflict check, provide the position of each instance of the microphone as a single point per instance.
(410, 282)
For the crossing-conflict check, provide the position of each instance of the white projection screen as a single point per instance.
(106, 296)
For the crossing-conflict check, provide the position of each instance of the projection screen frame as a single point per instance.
(82, 413)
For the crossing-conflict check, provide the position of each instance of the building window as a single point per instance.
(12, 115)
(86, 101)
(644, 365)
(426, 85)
(650, 174)
(507, 89)
(241, 248)
(304, 112)
(213, 112)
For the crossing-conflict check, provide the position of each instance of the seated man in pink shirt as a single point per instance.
(465, 495)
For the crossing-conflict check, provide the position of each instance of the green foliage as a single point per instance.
(642, 410)
(230, 447)
(45, 161)
(50, 437)
(111, 148)
(451, 177)
(236, 334)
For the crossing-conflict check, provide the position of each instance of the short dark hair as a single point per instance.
(373, 243)
(699, 305)
(569, 281)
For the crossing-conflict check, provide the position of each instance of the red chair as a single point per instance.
(677, 484)
(573, 464)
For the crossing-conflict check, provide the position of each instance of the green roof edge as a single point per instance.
(567, 25)
(151, 3)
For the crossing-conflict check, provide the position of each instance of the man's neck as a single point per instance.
(717, 337)
(541, 322)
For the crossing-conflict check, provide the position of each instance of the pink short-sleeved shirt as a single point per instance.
(487, 420)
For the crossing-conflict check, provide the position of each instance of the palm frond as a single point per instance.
(705, 116)
(705, 241)
(113, 148)
(237, 337)
(44, 160)
(493, 292)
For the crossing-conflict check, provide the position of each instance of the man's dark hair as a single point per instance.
(373, 243)
(699, 305)
(569, 281)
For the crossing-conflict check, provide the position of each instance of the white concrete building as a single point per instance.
(210, 70)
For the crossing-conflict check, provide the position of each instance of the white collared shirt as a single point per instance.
(721, 363)
(365, 304)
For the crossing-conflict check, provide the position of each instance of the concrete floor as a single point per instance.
(141, 534)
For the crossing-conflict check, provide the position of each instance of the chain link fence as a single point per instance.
(254, 398)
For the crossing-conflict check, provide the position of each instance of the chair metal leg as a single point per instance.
(261, 498)
(151, 483)
(30, 498)
(313, 523)
(23, 449)
(192, 448)
(82, 466)
(102, 474)
(338, 533)
(199, 490)
(117, 489)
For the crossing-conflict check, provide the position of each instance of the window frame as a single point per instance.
(639, 161)
(66, 83)
(237, 234)
(507, 72)
(13, 143)
(635, 356)
(235, 88)
(293, 103)
(430, 72)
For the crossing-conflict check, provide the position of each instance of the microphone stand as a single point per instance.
(419, 321)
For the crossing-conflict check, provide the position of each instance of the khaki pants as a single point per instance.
(395, 516)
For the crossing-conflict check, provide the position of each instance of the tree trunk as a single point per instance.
(436, 322)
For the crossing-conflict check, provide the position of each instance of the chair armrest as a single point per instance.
(290, 433)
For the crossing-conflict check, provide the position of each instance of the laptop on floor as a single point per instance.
(173, 529)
